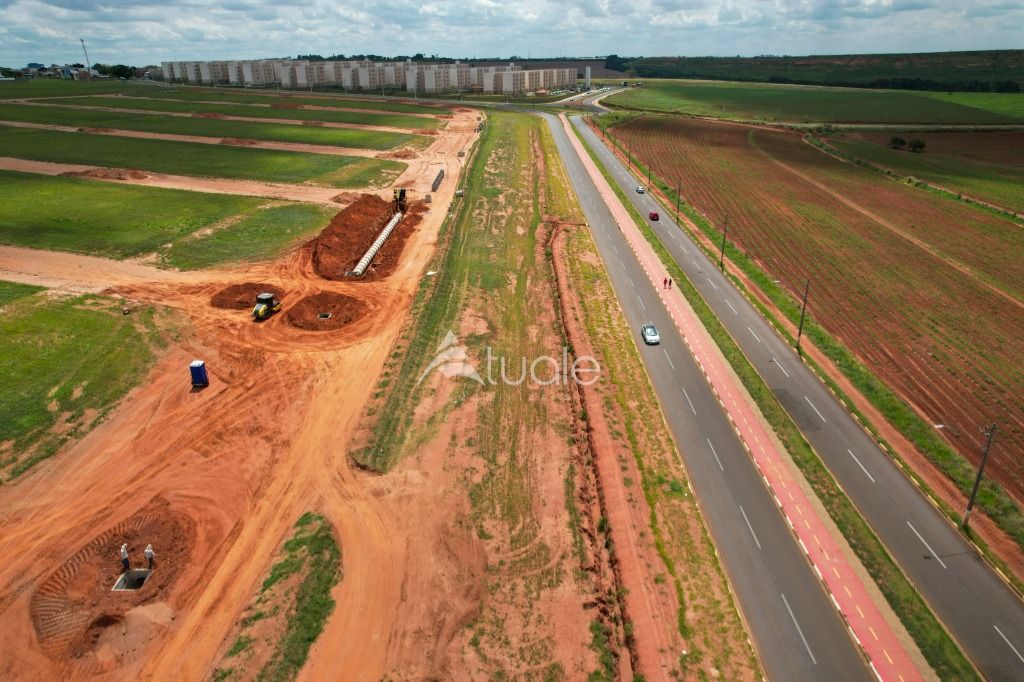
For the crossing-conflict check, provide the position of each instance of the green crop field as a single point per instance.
(123, 221)
(64, 364)
(986, 166)
(805, 104)
(188, 158)
(173, 106)
(274, 132)
(274, 96)
(259, 235)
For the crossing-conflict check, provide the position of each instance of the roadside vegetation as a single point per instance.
(938, 648)
(272, 639)
(336, 116)
(65, 363)
(125, 221)
(211, 127)
(808, 104)
(200, 160)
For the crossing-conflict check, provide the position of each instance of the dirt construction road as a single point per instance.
(221, 474)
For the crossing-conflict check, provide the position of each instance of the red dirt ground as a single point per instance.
(236, 463)
(899, 277)
(243, 296)
(305, 314)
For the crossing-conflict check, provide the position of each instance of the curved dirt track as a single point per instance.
(243, 459)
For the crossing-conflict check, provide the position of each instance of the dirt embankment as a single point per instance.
(243, 296)
(108, 174)
(342, 243)
(325, 311)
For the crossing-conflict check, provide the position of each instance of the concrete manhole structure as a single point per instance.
(131, 580)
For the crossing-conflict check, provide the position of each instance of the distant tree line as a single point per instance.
(115, 71)
(985, 78)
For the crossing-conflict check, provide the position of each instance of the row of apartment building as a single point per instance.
(409, 76)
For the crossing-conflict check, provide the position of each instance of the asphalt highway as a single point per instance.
(798, 633)
(979, 609)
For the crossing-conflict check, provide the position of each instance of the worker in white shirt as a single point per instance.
(124, 556)
(150, 555)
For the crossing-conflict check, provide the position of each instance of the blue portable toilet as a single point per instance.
(198, 370)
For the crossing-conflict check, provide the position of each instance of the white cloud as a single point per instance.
(130, 32)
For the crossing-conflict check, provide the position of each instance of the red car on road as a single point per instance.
(653, 215)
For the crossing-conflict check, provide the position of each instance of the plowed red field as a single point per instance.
(927, 292)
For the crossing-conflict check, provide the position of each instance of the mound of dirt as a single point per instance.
(342, 243)
(75, 606)
(325, 311)
(400, 154)
(238, 141)
(243, 296)
(108, 174)
(425, 131)
(207, 114)
(315, 124)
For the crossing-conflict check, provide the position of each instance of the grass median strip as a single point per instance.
(200, 160)
(211, 127)
(250, 97)
(277, 629)
(368, 118)
(938, 648)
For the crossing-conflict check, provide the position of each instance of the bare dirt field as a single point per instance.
(926, 292)
(215, 478)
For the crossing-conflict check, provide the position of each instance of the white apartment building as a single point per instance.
(410, 76)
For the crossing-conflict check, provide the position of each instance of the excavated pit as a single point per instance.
(325, 311)
(243, 296)
(339, 247)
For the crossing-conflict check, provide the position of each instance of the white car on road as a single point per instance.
(650, 334)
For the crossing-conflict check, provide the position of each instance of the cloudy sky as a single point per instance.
(141, 32)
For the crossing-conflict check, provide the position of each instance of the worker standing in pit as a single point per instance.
(124, 556)
(150, 555)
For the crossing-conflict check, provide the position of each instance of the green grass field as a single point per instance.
(201, 160)
(173, 106)
(124, 221)
(970, 163)
(55, 87)
(805, 104)
(64, 364)
(272, 96)
(261, 234)
(274, 132)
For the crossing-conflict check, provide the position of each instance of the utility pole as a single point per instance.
(88, 66)
(721, 257)
(990, 432)
(678, 189)
(803, 311)
(648, 175)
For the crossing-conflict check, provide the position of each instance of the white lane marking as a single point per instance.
(751, 528)
(754, 334)
(667, 357)
(615, 249)
(712, 283)
(814, 408)
(1008, 643)
(631, 282)
(730, 307)
(927, 546)
(862, 468)
(692, 408)
(779, 365)
(642, 303)
(719, 462)
(801, 632)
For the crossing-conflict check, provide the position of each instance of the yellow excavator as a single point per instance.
(266, 305)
